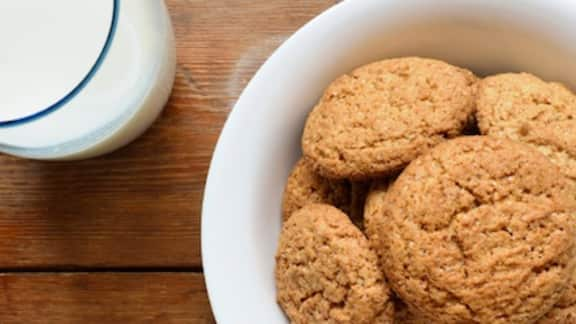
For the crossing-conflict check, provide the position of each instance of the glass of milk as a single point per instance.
(81, 78)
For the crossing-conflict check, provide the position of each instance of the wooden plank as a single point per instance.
(140, 207)
(104, 298)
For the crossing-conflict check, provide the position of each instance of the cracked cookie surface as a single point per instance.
(522, 107)
(305, 186)
(326, 271)
(478, 230)
(376, 119)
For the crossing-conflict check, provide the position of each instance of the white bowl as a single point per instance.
(260, 142)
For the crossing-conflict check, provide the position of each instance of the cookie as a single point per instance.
(326, 272)
(522, 107)
(564, 311)
(305, 186)
(375, 120)
(374, 201)
(478, 230)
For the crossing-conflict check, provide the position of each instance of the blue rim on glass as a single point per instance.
(58, 104)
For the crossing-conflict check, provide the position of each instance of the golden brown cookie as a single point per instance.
(305, 186)
(478, 230)
(522, 107)
(374, 202)
(564, 312)
(378, 118)
(326, 272)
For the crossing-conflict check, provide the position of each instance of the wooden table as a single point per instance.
(117, 239)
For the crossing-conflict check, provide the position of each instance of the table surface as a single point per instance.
(117, 239)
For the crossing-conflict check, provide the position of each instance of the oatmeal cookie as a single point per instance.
(326, 271)
(305, 186)
(375, 120)
(478, 230)
(522, 107)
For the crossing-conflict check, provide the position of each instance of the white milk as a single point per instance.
(81, 78)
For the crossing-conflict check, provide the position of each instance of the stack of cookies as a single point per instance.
(427, 195)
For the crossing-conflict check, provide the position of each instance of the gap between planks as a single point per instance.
(72, 270)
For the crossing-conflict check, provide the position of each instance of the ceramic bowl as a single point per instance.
(261, 140)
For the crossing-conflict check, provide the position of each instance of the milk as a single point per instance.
(81, 78)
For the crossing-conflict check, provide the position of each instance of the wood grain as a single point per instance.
(104, 298)
(140, 207)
